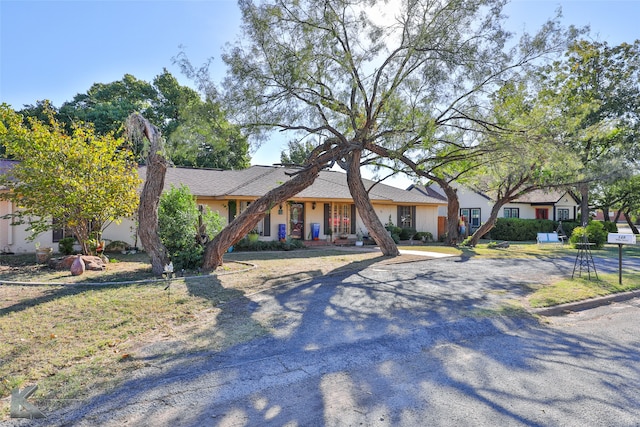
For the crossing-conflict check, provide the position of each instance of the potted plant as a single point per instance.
(329, 233)
(43, 255)
(359, 241)
(253, 236)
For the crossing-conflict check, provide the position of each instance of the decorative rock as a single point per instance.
(77, 267)
(90, 262)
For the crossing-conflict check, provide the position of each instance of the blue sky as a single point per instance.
(52, 49)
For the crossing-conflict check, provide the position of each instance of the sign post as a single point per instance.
(621, 239)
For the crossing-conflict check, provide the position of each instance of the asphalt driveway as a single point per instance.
(413, 344)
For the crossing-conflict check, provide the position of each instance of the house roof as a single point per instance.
(535, 197)
(427, 191)
(258, 180)
(541, 197)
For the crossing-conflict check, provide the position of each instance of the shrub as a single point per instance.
(425, 236)
(178, 221)
(466, 241)
(65, 245)
(271, 245)
(518, 229)
(609, 226)
(406, 233)
(595, 232)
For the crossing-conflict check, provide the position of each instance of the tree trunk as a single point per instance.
(151, 191)
(249, 218)
(618, 213)
(632, 226)
(584, 203)
(319, 159)
(453, 208)
(365, 209)
(605, 214)
(486, 226)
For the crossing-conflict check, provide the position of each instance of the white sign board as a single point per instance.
(622, 239)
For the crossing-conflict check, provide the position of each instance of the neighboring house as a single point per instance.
(327, 203)
(539, 204)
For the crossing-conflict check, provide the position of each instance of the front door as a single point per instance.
(542, 213)
(296, 220)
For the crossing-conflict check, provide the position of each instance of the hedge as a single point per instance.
(518, 229)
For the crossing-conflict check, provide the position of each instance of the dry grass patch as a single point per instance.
(73, 338)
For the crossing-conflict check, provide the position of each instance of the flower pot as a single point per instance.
(359, 243)
(43, 255)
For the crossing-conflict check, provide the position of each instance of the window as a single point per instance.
(406, 216)
(512, 212)
(341, 218)
(263, 227)
(475, 219)
(59, 232)
(563, 214)
(471, 217)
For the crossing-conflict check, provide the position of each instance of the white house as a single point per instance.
(475, 207)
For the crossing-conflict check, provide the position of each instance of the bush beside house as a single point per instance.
(520, 230)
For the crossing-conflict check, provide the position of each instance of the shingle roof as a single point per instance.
(427, 191)
(541, 196)
(258, 180)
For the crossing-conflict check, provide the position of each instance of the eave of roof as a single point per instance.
(258, 180)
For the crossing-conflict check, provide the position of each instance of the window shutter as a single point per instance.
(232, 210)
(267, 224)
(414, 220)
(399, 217)
(327, 215)
(353, 219)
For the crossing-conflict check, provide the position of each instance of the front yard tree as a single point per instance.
(140, 129)
(521, 155)
(76, 180)
(371, 74)
(595, 95)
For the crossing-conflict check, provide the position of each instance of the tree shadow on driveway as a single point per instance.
(389, 345)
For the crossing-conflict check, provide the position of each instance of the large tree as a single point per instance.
(297, 152)
(77, 180)
(371, 75)
(523, 154)
(594, 96)
(197, 131)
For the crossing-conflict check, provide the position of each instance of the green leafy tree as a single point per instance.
(594, 97)
(107, 105)
(205, 139)
(184, 228)
(198, 133)
(520, 156)
(365, 78)
(78, 180)
(297, 152)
